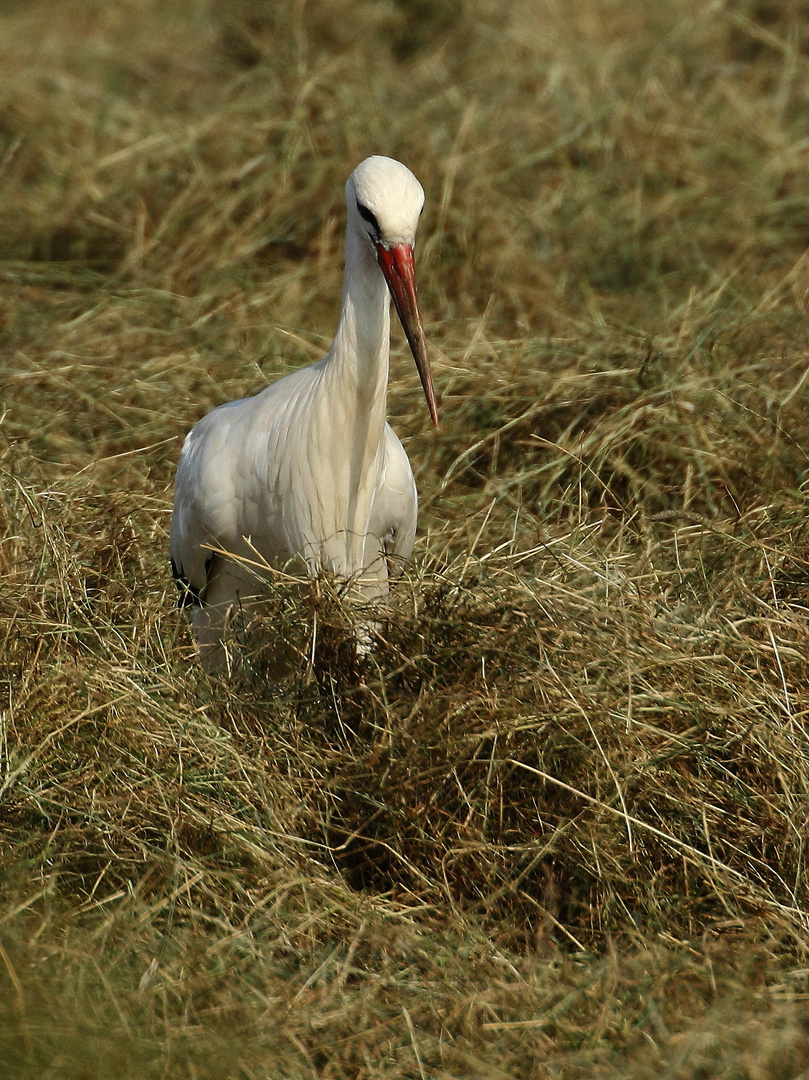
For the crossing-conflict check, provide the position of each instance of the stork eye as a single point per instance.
(366, 215)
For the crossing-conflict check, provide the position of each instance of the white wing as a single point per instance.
(224, 486)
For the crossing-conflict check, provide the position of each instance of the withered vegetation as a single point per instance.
(556, 824)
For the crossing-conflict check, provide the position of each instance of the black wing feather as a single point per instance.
(189, 596)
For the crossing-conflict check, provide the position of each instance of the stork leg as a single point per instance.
(370, 587)
(211, 618)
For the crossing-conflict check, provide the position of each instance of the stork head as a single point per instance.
(384, 202)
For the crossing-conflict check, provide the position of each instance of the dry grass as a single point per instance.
(557, 827)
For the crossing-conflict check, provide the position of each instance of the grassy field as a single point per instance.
(558, 826)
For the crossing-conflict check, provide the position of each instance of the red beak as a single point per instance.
(399, 269)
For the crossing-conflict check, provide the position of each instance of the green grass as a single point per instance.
(557, 827)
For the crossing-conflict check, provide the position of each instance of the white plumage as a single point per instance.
(310, 467)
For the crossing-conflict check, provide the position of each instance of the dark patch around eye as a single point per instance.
(366, 214)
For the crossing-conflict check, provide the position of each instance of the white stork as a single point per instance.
(310, 467)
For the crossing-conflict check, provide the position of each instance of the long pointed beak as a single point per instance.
(399, 269)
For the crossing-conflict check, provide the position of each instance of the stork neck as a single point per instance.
(360, 354)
